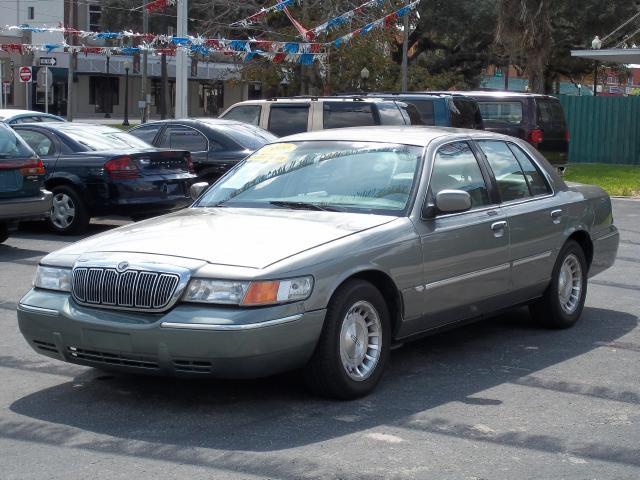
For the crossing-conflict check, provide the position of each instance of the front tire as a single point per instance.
(563, 301)
(353, 349)
(69, 215)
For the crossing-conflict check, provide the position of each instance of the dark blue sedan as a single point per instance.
(95, 170)
(216, 145)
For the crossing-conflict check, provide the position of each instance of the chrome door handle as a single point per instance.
(496, 226)
(556, 216)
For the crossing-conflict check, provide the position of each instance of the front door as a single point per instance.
(465, 255)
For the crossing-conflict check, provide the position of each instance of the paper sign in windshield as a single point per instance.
(276, 153)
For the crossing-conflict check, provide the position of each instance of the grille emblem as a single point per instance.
(122, 266)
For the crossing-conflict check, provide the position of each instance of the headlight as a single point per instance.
(53, 278)
(249, 293)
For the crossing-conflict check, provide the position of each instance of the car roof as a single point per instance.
(63, 126)
(408, 135)
(11, 112)
(208, 121)
(504, 94)
(345, 98)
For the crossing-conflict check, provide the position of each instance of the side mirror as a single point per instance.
(453, 201)
(197, 188)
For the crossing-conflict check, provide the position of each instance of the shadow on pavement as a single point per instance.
(163, 418)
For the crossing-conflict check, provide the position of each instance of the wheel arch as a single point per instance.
(583, 239)
(387, 287)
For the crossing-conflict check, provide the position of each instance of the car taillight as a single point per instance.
(536, 137)
(567, 135)
(122, 168)
(33, 167)
(187, 157)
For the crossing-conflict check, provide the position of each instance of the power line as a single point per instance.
(622, 26)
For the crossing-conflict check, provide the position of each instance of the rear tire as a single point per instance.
(353, 348)
(4, 231)
(563, 301)
(69, 215)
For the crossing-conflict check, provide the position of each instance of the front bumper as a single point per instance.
(188, 340)
(23, 208)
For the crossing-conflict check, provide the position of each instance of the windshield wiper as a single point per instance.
(302, 206)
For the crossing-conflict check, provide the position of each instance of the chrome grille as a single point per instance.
(131, 289)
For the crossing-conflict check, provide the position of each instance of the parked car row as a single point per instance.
(98, 170)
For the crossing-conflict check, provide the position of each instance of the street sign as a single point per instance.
(25, 74)
(48, 61)
(44, 78)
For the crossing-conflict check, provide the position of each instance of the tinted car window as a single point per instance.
(511, 181)
(244, 113)
(352, 114)
(456, 167)
(39, 142)
(502, 111)
(184, 138)
(248, 136)
(425, 107)
(146, 133)
(550, 113)
(464, 114)
(289, 119)
(390, 113)
(537, 183)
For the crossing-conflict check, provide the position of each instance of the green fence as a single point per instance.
(603, 129)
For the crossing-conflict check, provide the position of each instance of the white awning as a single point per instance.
(615, 55)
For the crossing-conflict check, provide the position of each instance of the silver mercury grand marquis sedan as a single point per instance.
(322, 251)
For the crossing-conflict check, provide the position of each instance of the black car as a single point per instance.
(95, 170)
(538, 119)
(21, 180)
(216, 145)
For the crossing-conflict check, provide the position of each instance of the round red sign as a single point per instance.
(25, 74)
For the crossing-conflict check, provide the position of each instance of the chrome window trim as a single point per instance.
(230, 327)
(39, 310)
(168, 127)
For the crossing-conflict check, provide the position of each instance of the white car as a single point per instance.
(13, 116)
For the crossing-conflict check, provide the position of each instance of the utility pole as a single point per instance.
(143, 90)
(72, 58)
(405, 55)
(182, 72)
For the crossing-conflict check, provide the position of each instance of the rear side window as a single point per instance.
(390, 113)
(550, 113)
(184, 138)
(288, 120)
(351, 114)
(11, 145)
(456, 167)
(465, 114)
(245, 114)
(39, 142)
(146, 133)
(537, 183)
(425, 108)
(510, 112)
(511, 181)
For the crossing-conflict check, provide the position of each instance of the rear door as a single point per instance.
(288, 119)
(550, 119)
(350, 114)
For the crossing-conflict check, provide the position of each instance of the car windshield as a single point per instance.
(248, 136)
(12, 146)
(105, 139)
(363, 177)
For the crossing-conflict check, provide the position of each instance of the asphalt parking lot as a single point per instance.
(501, 399)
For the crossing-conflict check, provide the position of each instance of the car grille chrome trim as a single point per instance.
(139, 290)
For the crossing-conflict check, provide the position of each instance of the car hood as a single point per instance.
(242, 237)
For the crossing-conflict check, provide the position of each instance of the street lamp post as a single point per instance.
(364, 76)
(126, 94)
(596, 44)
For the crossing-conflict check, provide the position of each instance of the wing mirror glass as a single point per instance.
(196, 189)
(453, 201)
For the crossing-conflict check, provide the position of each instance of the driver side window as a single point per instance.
(456, 168)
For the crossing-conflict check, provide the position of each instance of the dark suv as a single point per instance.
(538, 119)
(439, 109)
(21, 180)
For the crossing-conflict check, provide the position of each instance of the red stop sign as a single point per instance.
(25, 74)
